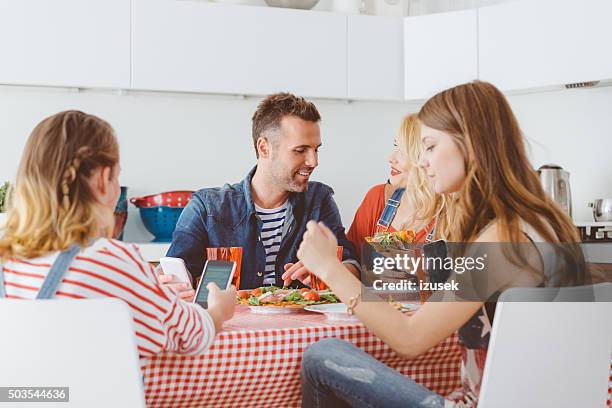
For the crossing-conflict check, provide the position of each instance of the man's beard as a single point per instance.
(296, 187)
(286, 182)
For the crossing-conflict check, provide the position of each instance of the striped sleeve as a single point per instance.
(187, 327)
(108, 268)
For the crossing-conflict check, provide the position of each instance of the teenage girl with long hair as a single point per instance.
(472, 147)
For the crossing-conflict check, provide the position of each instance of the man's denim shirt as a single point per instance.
(225, 217)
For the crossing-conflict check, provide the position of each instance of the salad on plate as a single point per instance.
(273, 296)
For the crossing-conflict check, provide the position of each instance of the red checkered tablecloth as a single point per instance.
(610, 387)
(255, 362)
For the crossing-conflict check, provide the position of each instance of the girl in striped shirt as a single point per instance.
(66, 190)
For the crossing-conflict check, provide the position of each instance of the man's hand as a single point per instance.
(182, 289)
(296, 271)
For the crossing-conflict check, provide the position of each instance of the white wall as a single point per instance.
(171, 141)
(573, 129)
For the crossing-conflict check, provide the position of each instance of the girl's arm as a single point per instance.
(408, 336)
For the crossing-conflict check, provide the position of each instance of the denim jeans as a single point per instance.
(335, 373)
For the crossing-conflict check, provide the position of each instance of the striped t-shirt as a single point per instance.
(110, 268)
(271, 236)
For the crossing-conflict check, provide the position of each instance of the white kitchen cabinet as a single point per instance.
(195, 46)
(375, 58)
(65, 43)
(532, 44)
(440, 51)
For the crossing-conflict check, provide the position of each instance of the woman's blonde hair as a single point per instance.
(52, 206)
(427, 204)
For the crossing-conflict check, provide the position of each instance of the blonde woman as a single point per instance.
(56, 242)
(472, 146)
(419, 207)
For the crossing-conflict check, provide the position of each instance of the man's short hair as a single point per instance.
(267, 118)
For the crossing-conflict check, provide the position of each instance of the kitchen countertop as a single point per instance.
(595, 252)
(592, 224)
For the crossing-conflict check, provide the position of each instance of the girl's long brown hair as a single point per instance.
(500, 183)
(52, 206)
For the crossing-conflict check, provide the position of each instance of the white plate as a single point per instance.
(333, 311)
(274, 309)
(337, 311)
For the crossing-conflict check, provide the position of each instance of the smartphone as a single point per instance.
(219, 272)
(176, 267)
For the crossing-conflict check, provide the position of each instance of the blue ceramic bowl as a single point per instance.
(160, 221)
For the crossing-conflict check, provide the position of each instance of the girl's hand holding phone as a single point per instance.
(221, 304)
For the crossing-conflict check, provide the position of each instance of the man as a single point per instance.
(267, 212)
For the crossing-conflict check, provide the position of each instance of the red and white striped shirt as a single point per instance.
(109, 268)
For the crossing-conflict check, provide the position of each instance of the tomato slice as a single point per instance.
(243, 294)
(311, 295)
(256, 292)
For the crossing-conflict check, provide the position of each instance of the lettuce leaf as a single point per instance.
(330, 297)
(253, 301)
(293, 297)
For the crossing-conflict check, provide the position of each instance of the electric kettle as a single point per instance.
(555, 182)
